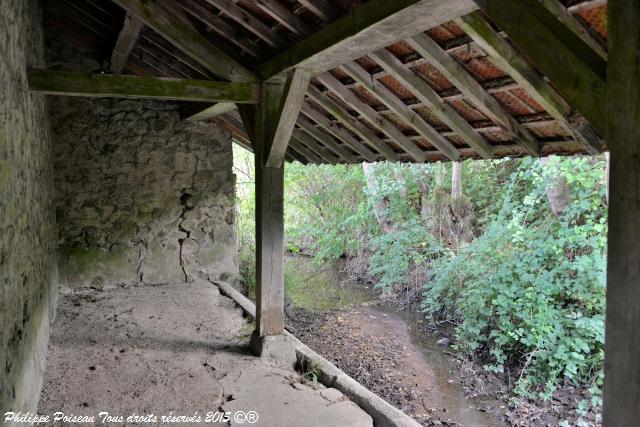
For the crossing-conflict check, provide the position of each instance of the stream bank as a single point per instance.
(381, 348)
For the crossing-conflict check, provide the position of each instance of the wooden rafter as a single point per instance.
(325, 138)
(558, 10)
(195, 112)
(250, 22)
(429, 96)
(575, 69)
(471, 89)
(506, 57)
(126, 40)
(339, 133)
(286, 18)
(412, 118)
(322, 9)
(352, 123)
(369, 26)
(313, 145)
(220, 26)
(113, 85)
(168, 20)
(372, 116)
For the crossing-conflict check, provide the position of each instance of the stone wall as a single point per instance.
(28, 275)
(141, 196)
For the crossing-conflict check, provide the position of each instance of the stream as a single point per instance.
(381, 346)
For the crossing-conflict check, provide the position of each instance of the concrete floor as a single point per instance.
(175, 350)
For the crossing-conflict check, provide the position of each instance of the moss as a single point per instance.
(84, 257)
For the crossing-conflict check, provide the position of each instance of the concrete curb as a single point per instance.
(383, 413)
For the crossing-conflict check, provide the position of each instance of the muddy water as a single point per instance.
(433, 372)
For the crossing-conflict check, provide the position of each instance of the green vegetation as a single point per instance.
(514, 257)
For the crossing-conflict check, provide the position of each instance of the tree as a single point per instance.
(379, 203)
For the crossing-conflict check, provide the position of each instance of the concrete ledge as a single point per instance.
(383, 413)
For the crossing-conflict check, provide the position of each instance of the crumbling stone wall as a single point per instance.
(141, 196)
(28, 275)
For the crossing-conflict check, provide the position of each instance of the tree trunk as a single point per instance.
(379, 203)
(456, 182)
(425, 205)
(557, 192)
(400, 180)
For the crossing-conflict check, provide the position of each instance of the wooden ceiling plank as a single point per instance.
(578, 73)
(163, 20)
(325, 139)
(222, 27)
(367, 27)
(372, 116)
(429, 97)
(339, 133)
(250, 22)
(322, 9)
(586, 5)
(295, 145)
(124, 45)
(352, 123)
(287, 19)
(472, 90)
(387, 97)
(124, 86)
(507, 58)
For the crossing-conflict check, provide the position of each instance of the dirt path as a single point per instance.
(376, 348)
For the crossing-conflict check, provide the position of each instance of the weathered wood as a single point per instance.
(322, 9)
(123, 86)
(388, 98)
(269, 249)
(561, 13)
(222, 27)
(125, 42)
(286, 18)
(307, 153)
(429, 96)
(339, 133)
(352, 123)
(471, 89)
(372, 116)
(325, 139)
(367, 27)
(507, 58)
(250, 22)
(282, 101)
(314, 146)
(622, 335)
(574, 68)
(196, 113)
(166, 19)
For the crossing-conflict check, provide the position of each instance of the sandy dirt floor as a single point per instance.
(176, 350)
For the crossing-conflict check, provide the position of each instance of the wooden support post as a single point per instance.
(124, 45)
(270, 125)
(622, 342)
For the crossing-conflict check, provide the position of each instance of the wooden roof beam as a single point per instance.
(577, 71)
(367, 27)
(304, 138)
(124, 86)
(401, 109)
(352, 123)
(325, 139)
(372, 116)
(339, 133)
(250, 22)
(287, 19)
(474, 91)
(427, 95)
(195, 112)
(507, 58)
(322, 9)
(124, 45)
(165, 18)
(557, 9)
